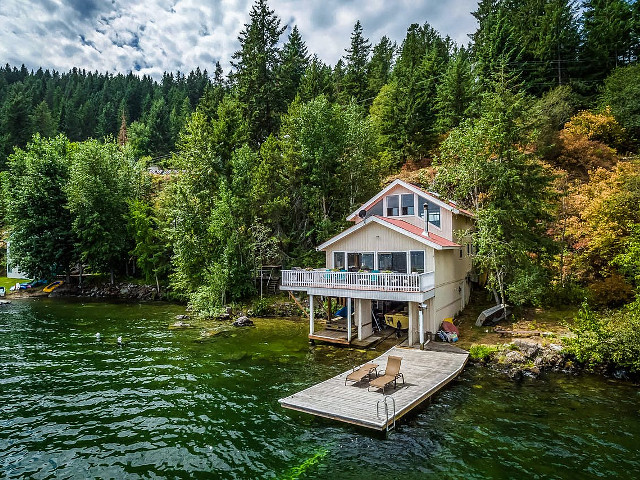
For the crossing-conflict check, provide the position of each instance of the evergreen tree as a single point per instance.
(316, 80)
(42, 121)
(256, 65)
(356, 61)
(455, 92)
(607, 38)
(380, 67)
(293, 65)
(15, 121)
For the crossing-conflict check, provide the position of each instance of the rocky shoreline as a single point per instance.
(523, 357)
(123, 291)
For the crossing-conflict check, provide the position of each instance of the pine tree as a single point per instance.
(455, 92)
(256, 64)
(356, 61)
(293, 64)
(316, 81)
(607, 37)
(380, 67)
(42, 121)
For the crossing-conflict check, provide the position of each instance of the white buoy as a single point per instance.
(98, 336)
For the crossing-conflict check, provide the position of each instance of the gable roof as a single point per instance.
(451, 206)
(397, 225)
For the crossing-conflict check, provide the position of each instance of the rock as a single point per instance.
(514, 357)
(243, 321)
(555, 347)
(529, 348)
(180, 324)
(182, 317)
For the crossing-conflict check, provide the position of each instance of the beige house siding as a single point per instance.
(452, 288)
(377, 238)
(445, 215)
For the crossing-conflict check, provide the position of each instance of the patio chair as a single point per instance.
(391, 374)
(359, 373)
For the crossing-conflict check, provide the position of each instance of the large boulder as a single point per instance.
(243, 321)
(528, 347)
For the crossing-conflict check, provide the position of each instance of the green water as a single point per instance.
(168, 404)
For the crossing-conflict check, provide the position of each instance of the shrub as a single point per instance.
(613, 291)
(610, 339)
(482, 353)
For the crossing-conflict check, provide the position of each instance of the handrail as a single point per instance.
(386, 410)
(389, 282)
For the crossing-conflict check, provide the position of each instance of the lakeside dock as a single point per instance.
(425, 372)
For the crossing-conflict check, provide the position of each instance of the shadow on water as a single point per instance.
(167, 404)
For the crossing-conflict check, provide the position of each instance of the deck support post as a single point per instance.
(311, 315)
(349, 320)
(359, 317)
(421, 326)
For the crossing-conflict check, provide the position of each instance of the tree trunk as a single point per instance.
(80, 281)
(112, 279)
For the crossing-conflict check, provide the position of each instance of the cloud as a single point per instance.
(154, 36)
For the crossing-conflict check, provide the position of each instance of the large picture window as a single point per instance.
(394, 262)
(359, 261)
(417, 261)
(338, 260)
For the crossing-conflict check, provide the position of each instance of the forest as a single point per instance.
(534, 126)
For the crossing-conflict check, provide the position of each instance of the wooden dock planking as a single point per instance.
(425, 372)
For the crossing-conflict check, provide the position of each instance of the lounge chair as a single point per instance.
(391, 374)
(359, 373)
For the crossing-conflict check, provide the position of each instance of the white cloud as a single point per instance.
(153, 36)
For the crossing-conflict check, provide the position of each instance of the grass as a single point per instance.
(9, 282)
(550, 319)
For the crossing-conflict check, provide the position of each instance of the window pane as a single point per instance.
(434, 216)
(385, 261)
(375, 209)
(393, 206)
(417, 262)
(399, 262)
(353, 261)
(338, 260)
(407, 204)
(367, 261)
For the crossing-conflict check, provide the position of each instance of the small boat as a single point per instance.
(52, 286)
(493, 315)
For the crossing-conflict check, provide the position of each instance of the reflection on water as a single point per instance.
(169, 404)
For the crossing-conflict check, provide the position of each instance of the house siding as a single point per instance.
(377, 238)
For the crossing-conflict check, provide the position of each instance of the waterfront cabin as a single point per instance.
(13, 270)
(408, 251)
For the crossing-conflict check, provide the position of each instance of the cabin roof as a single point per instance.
(397, 225)
(451, 206)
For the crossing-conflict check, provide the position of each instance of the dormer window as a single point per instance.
(393, 206)
(407, 204)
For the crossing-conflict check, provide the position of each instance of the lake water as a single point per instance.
(170, 403)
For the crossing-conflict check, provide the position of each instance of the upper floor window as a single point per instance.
(434, 211)
(393, 206)
(407, 204)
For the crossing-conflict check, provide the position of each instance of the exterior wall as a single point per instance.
(377, 238)
(445, 215)
(452, 288)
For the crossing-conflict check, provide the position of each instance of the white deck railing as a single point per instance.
(386, 282)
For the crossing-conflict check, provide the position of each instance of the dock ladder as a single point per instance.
(384, 400)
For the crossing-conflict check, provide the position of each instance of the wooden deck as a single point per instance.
(425, 372)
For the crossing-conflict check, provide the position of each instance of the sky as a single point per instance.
(153, 36)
